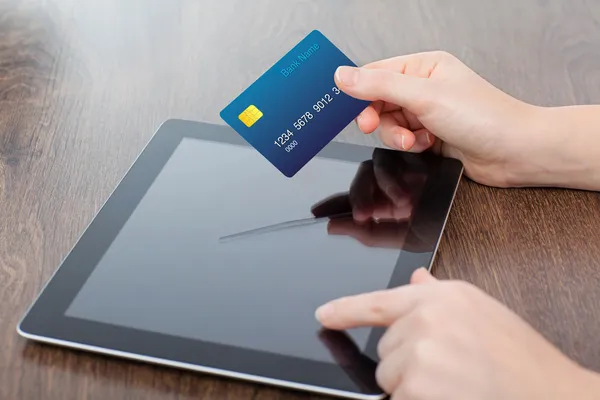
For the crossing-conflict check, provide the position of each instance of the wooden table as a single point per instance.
(84, 84)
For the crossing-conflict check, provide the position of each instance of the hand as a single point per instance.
(449, 340)
(432, 100)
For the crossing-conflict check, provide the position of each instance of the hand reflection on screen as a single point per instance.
(382, 198)
(376, 211)
(360, 368)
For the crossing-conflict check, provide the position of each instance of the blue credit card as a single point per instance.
(295, 109)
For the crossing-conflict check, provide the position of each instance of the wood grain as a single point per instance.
(83, 85)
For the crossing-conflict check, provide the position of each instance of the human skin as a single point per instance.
(434, 100)
(473, 346)
(450, 340)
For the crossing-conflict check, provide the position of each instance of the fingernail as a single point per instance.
(347, 75)
(428, 135)
(399, 142)
(324, 312)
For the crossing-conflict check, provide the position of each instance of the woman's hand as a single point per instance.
(450, 340)
(433, 100)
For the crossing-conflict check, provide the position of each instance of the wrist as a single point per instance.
(556, 149)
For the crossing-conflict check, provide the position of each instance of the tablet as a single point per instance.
(206, 257)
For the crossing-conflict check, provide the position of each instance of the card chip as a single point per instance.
(250, 115)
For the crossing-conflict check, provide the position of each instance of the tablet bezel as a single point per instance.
(46, 321)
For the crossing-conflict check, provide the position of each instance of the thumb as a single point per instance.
(421, 276)
(383, 84)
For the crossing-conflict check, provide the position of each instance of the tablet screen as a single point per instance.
(172, 270)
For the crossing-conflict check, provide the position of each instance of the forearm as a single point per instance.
(588, 387)
(561, 148)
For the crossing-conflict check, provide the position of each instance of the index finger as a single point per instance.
(416, 64)
(379, 308)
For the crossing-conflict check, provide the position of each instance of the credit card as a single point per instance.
(295, 108)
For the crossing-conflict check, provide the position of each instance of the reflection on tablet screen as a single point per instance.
(168, 270)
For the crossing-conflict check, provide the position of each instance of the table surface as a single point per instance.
(84, 84)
